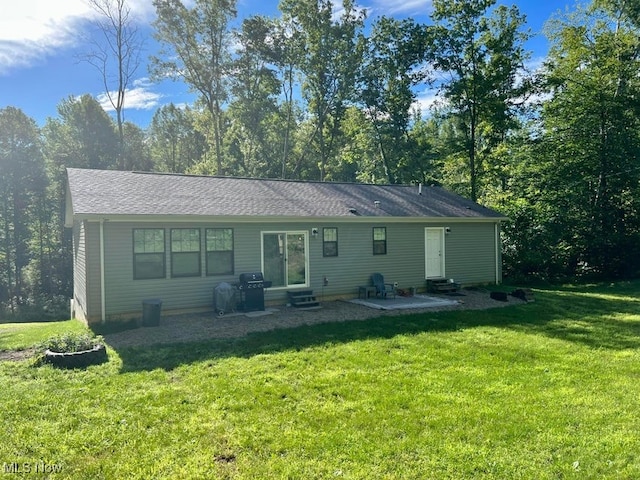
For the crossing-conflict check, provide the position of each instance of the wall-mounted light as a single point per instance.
(447, 230)
(314, 232)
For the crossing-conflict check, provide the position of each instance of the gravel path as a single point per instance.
(194, 327)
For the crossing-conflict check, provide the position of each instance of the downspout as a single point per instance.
(102, 288)
(497, 234)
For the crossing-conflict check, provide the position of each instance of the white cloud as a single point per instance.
(425, 100)
(401, 7)
(140, 97)
(32, 29)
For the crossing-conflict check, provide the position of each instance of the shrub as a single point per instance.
(72, 342)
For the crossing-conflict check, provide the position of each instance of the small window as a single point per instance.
(185, 252)
(330, 242)
(148, 253)
(379, 240)
(219, 251)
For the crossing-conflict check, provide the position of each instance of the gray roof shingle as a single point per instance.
(114, 193)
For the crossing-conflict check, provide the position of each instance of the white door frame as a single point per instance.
(305, 235)
(441, 231)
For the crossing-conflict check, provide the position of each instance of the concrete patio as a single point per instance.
(401, 303)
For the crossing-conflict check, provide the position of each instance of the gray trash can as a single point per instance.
(151, 312)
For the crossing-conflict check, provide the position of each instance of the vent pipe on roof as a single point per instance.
(420, 188)
(377, 203)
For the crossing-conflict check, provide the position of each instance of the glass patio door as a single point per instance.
(284, 258)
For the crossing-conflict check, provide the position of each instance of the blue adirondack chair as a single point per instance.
(382, 289)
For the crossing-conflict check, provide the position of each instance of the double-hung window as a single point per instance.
(219, 243)
(379, 240)
(148, 253)
(185, 252)
(330, 242)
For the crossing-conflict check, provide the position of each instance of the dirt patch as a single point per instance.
(195, 327)
(17, 355)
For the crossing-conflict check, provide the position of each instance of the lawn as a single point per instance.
(544, 390)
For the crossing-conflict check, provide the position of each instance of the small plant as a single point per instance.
(72, 342)
(73, 350)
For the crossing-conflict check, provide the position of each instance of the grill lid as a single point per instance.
(251, 277)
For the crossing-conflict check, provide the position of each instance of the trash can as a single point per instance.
(151, 312)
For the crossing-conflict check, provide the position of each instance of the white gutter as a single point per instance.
(102, 288)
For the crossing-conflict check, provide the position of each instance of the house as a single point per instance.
(172, 237)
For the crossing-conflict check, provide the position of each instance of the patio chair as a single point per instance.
(382, 289)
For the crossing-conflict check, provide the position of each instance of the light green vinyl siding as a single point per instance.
(79, 269)
(471, 253)
(93, 275)
(124, 294)
(470, 258)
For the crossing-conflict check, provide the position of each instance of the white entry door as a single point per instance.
(434, 252)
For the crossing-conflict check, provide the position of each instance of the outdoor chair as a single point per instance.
(382, 289)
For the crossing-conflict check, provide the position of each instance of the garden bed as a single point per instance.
(81, 359)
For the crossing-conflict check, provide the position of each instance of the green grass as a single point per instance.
(20, 336)
(543, 391)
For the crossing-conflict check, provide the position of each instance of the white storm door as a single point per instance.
(434, 252)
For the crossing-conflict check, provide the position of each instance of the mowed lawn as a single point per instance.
(546, 390)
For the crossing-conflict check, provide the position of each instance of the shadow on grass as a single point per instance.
(589, 318)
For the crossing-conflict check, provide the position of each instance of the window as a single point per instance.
(330, 242)
(148, 253)
(185, 252)
(379, 240)
(219, 251)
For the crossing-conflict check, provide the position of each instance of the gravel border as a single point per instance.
(197, 327)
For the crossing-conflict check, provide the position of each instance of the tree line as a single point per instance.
(319, 94)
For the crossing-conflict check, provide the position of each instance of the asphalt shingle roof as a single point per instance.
(110, 192)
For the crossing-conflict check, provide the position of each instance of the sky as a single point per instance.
(41, 42)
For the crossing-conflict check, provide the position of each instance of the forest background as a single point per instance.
(313, 95)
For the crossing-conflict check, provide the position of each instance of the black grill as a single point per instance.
(251, 280)
(251, 288)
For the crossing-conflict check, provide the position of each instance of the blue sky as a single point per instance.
(40, 41)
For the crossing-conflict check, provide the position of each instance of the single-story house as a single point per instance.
(139, 235)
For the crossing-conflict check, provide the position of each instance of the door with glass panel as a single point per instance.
(284, 258)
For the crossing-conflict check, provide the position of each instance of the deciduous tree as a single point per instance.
(196, 48)
(393, 67)
(329, 59)
(21, 178)
(115, 53)
(480, 55)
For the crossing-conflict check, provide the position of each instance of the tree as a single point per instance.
(136, 154)
(358, 157)
(83, 136)
(483, 57)
(253, 112)
(196, 48)
(591, 131)
(116, 56)
(284, 41)
(393, 66)
(176, 144)
(329, 59)
(21, 177)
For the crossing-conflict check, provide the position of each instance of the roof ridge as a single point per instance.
(270, 179)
